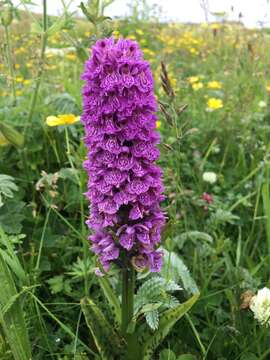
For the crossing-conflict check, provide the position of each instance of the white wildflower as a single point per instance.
(262, 104)
(209, 177)
(260, 305)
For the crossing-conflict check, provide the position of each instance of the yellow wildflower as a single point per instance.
(214, 85)
(71, 56)
(63, 119)
(158, 124)
(214, 104)
(215, 26)
(193, 51)
(19, 92)
(148, 52)
(17, 66)
(197, 86)
(87, 33)
(19, 79)
(139, 31)
(27, 82)
(193, 79)
(29, 65)
(116, 34)
(267, 87)
(132, 37)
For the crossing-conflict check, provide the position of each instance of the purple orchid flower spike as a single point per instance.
(125, 187)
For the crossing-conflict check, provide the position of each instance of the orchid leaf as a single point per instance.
(107, 341)
(111, 297)
(150, 340)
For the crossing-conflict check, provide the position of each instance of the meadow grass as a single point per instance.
(214, 117)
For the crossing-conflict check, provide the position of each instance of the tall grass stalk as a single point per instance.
(11, 316)
(10, 64)
(44, 37)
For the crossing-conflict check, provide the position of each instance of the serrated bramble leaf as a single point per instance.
(178, 271)
(152, 319)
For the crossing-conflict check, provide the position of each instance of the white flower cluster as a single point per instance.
(209, 177)
(260, 305)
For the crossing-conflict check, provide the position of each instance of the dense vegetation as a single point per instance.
(213, 87)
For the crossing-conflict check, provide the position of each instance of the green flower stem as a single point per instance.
(10, 65)
(128, 285)
(84, 241)
(44, 38)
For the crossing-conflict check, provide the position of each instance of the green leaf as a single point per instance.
(174, 268)
(8, 252)
(194, 236)
(248, 356)
(152, 319)
(12, 319)
(100, 19)
(90, 17)
(111, 297)
(266, 208)
(187, 357)
(59, 24)
(59, 284)
(224, 216)
(167, 354)
(150, 341)
(11, 216)
(7, 187)
(12, 135)
(107, 341)
(63, 103)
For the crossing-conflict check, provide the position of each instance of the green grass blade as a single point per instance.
(65, 328)
(266, 207)
(12, 319)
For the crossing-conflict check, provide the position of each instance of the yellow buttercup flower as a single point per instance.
(27, 82)
(214, 104)
(63, 119)
(71, 57)
(197, 86)
(158, 124)
(214, 85)
(116, 33)
(19, 79)
(193, 79)
(215, 26)
(193, 51)
(139, 31)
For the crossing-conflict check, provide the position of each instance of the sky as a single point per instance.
(255, 12)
